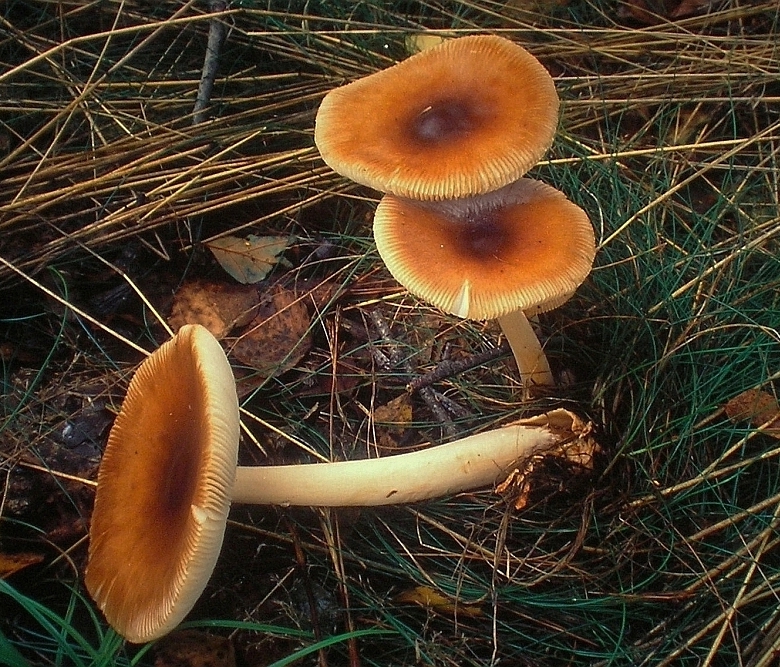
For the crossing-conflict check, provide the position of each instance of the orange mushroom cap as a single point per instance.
(459, 119)
(518, 248)
(164, 487)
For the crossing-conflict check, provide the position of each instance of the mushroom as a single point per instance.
(164, 487)
(169, 473)
(524, 247)
(462, 118)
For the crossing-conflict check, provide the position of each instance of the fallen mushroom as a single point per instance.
(164, 487)
(462, 118)
(169, 474)
(524, 247)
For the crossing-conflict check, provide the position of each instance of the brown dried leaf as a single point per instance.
(397, 412)
(652, 12)
(194, 648)
(689, 8)
(392, 420)
(278, 338)
(315, 292)
(758, 407)
(217, 306)
(432, 599)
(12, 563)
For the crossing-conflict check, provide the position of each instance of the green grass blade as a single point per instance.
(9, 654)
(57, 628)
(325, 643)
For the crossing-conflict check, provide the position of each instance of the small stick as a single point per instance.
(300, 561)
(448, 368)
(432, 400)
(217, 34)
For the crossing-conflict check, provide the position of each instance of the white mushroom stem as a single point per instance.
(531, 360)
(469, 463)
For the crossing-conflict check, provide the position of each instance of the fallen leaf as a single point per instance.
(645, 12)
(689, 8)
(432, 599)
(12, 563)
(422, 41)
(758, 407)
(397, 412)
(249, 259)
(219, 307)
(278, 338)
(392, 421)
(194, 648)
(325, 381)
(652, 12)
(315, 292)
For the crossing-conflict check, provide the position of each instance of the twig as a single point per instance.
(217, 33)
(769, 646)
(329, 521)
(449, 368)
(432, 398)
(300, 560)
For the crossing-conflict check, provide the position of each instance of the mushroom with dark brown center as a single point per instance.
(462, 118)
(169, 474)
(524, 247)
(164, 487)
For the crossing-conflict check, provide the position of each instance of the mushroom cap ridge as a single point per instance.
(522, 247)
(462, 118)
(164, 487)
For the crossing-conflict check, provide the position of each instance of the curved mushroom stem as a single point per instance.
(531, 360)
(469, 463)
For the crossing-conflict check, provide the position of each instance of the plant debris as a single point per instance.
(111, 199)
(13, 563)
(194, 648)
(576, 456)
(427, 597)
(758, 407)
(220, 307)
(248, 260)
(279, 336)
(393, 420)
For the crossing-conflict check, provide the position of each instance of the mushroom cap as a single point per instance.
(462, 118)
(164, 487)
(522, 247)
